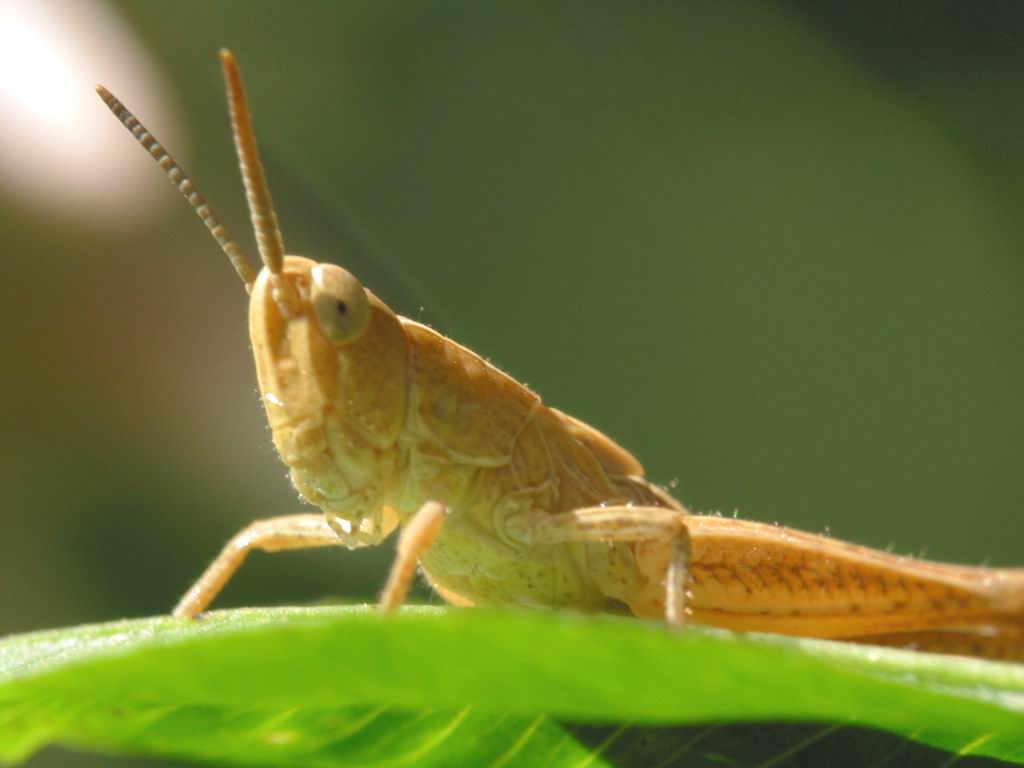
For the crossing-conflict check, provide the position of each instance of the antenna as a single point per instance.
(184, 184)
(261, 207)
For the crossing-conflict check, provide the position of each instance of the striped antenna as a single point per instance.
(184, 185)
(261, 207)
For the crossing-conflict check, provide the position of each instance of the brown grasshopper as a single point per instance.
(503, 500)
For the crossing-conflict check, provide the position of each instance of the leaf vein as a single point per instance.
(521, 742)
(434, 741)
(967, 749)
(800, 745)
(596, 753)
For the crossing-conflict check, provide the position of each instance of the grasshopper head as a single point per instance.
(331, 361)
(330, 356)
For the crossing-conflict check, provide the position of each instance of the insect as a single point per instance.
(503, 500)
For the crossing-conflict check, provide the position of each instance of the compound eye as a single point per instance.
(340, 302)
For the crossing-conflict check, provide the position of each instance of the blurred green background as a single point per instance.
(774, 248)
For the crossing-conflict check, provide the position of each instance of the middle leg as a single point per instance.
(417, 536)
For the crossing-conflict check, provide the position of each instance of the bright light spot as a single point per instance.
(280, 738)
(60, 149)
(37, 68)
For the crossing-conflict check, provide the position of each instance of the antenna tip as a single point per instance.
(226, 55)
(108, 98)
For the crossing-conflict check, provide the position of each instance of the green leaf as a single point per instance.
(341, 686)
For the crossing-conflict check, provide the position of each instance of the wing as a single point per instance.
(614, 459)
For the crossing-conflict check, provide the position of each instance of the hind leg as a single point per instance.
(625, 524)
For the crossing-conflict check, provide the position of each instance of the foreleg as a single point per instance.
(271, 535)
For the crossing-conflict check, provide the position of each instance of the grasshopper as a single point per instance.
(502, 500)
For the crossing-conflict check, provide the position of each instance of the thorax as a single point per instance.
(489, 450)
